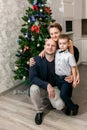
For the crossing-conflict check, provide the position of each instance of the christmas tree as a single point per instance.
(32, 38)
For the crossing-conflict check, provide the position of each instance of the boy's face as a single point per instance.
(63, 44)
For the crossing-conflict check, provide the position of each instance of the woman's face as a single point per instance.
(54, 33)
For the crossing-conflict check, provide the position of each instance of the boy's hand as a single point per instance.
(69, 79)
(74, 84)
(77, 79)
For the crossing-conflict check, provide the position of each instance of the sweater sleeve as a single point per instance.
(34, 76)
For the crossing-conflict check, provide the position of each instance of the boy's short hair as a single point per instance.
(56, 25)
(64, 36)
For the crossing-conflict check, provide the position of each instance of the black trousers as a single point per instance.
(65, 91)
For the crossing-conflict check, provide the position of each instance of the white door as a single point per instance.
(84, 50)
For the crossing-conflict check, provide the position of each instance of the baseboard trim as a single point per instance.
(8, 90)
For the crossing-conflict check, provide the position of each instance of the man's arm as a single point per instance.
(34, 76)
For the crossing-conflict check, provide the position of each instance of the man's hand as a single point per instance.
(50, 91)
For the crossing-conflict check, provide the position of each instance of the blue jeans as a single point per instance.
(65, 91)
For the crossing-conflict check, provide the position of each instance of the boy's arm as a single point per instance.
(78, 76)
(74, 70)
(74, 73)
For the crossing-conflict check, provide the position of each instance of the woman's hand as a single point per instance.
(42, 54)
(32, 62)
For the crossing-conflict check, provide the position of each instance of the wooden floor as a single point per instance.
(17, 113)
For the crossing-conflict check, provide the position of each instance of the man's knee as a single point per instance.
(60, 104)
(34, 89)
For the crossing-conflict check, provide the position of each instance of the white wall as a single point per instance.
(11, 12)
(57, 8)
(77, 35)
(84, 8)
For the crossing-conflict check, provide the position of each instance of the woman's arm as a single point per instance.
(71, 49)
(32, 61)
(42, 54)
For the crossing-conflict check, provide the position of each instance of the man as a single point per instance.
(41, 78)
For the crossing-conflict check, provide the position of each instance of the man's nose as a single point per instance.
(50, 46)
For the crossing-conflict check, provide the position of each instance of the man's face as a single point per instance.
(50, 47)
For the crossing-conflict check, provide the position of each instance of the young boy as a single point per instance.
(65, 65)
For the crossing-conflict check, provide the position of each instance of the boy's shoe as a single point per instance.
(66, 111)
(75, 112)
